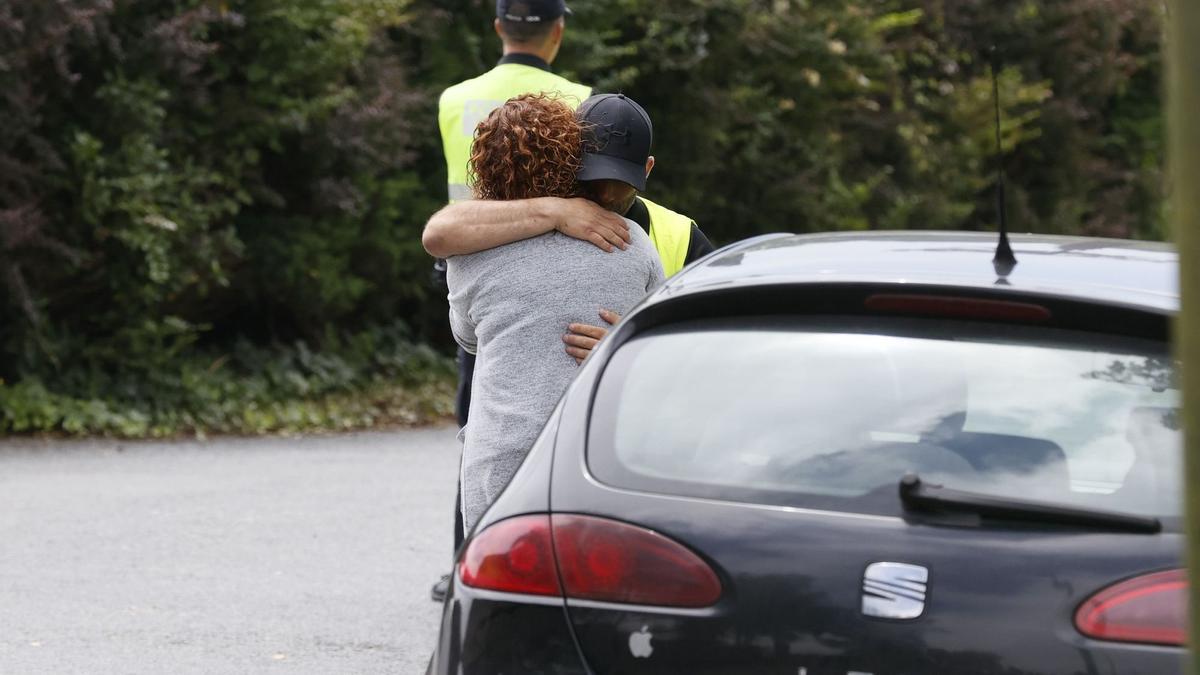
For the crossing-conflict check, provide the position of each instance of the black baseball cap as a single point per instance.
(617, 134)
(531, 11)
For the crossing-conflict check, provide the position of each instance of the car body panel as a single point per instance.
(1001, 595)
(486, 633)
(794, 586)
(1103, 271)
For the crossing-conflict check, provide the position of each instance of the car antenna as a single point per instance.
(1004, 261)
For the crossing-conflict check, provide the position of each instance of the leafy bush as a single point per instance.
(195, 178)
(371, 378)
(186, 186)
(186, 162)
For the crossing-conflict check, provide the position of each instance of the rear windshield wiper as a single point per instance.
(919, 496)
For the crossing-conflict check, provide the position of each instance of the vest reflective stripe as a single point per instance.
(463, 106)
(672, 235)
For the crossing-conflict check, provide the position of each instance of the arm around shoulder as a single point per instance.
(476, 225)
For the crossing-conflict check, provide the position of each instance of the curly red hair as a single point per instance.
(529, 147)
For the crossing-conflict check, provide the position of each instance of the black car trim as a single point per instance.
(774, 297)
(920, 496)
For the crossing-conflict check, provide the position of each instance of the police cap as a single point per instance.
(531, 11)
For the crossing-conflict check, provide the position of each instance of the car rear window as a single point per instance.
(832, 412)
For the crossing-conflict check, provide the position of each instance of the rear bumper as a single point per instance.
(484, 633)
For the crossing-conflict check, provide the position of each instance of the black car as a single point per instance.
(851, 454)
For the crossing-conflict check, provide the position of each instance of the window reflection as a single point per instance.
(845, 413)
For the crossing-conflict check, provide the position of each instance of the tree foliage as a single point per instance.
(180, 177)
(805, 115)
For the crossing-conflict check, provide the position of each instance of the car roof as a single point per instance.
(1121, 272)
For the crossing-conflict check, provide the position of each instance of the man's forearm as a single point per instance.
(477, 225)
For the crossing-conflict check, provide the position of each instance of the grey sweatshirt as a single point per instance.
(510, 306)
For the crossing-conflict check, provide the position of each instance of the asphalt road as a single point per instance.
(310, 555)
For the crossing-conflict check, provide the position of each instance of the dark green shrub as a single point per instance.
(189, 190)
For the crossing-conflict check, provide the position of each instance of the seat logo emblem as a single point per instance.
(894, 590)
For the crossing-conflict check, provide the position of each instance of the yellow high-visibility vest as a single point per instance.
(462, 107)
(672, 235)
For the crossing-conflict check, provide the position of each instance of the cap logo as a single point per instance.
(606, 134)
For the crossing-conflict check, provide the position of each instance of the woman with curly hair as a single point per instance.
(511, 305)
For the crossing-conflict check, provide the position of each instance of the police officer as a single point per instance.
(531, 32)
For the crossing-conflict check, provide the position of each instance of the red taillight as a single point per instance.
(959, 308)
(599, 559)
(1150, 609)
(514, 556)
(609, 561)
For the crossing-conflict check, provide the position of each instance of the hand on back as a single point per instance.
(581, 338)
(586, 220)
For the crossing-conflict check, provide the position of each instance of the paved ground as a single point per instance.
(310, 555)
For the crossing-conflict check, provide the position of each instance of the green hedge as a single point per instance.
(372, 378)
(183, 181)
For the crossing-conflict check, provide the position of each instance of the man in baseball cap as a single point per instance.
(617, 136)
(616, 149)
